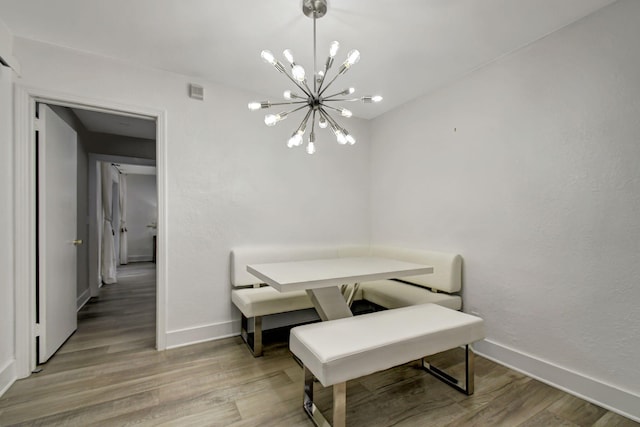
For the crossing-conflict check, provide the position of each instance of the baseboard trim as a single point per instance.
(605, 395)
(82, 299)
(8, 375)
(214, 331)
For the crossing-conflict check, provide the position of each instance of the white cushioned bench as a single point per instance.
(441, 287)
(255, 301)
(337, 351)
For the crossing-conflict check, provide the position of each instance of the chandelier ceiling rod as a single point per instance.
(313, 99)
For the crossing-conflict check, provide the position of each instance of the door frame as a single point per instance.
(25, 98)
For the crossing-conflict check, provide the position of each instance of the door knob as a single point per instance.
(77, 242)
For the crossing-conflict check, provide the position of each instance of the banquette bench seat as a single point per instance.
(336, 351)
(255, 300)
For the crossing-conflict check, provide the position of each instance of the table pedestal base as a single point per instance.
(329, 303)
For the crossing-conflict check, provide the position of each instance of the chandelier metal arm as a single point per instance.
(329, 84)
(333, 108)
(328, 97)
(341, 99)
(308, 88)
(295, 109)
(308, 93)
(329, 118)
(303, 123)
(324, 74)
(287, 103)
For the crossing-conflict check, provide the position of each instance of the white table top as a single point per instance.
(321, 273)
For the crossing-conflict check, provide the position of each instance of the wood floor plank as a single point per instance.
(577, 410)
(611, 419)
(109, 374)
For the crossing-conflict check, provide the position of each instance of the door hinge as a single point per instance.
(36, 124)
(36, 330)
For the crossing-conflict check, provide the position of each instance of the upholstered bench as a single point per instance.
(254, 300)
(441, 287)
(337, 351)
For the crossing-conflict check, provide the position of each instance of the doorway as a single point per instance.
(93, 132)
(26, 209)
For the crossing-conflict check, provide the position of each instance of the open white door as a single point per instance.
(57, 217)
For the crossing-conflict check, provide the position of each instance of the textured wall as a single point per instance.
(529, 168)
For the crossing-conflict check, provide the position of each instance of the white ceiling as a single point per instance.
(408, 47)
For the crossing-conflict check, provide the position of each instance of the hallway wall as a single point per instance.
(142, 210)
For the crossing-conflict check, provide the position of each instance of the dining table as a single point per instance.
(332, 283)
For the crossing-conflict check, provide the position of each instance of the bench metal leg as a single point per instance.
(339, 403)
(256, 348)
(469, 373)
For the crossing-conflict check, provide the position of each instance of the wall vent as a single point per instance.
(196, 91)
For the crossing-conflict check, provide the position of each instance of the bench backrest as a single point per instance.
(447, 268)
(241, 257)
(446, 277)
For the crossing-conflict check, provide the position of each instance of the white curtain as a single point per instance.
(123, 219)
(108, 244)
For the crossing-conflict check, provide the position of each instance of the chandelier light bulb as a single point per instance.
(340, 136)
(370, 99)
(255, 106)
(298, 73)
(272, 119)
(268, 57)
(333, 49)
(350, 139)
(345, 112)
(311, 147)
(353, 57)
(287, 94)
(322, 123)
(348, 91)
(289, 56)
(295, 140)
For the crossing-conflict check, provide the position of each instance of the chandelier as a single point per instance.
(317, 102)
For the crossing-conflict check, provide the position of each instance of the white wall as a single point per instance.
(529, 168)
(231, 180)
(142, 210)
(7, 325)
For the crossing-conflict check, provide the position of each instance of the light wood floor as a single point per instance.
(109, 374)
